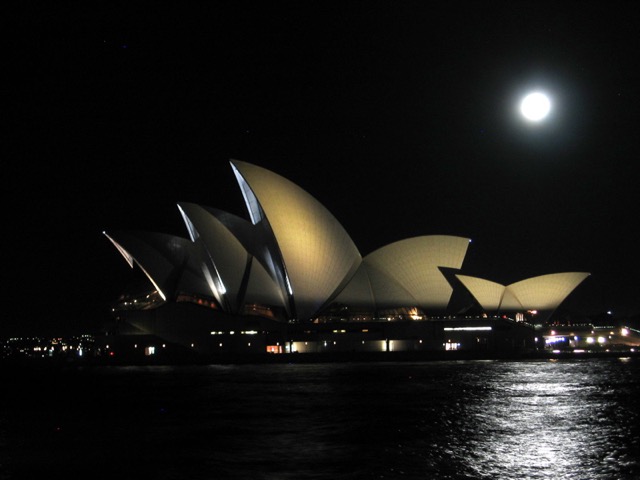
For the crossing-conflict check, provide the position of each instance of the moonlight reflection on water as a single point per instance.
(558, 421)
(561, 419)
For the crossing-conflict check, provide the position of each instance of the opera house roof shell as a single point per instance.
(544, 293)
(293, 256)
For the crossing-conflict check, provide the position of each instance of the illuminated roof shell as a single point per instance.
(318, 255)
(171, 263)
(296, 257)
(235, 277)
(413, 264)
(545, 292)
(489, 295)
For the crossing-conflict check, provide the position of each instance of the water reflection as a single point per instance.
(545, 420)
(433, 420)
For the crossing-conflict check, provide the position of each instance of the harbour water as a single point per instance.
(471, 419)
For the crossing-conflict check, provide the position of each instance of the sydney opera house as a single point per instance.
(288, 278)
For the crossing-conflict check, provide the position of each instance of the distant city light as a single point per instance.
(466, 329)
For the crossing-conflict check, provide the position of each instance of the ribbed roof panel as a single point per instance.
(262, 289)
(228, 255)
(358, 292)
(387, 291)
(487, 293)
(171, 263)
(317, 251)
(546, 292)
(413, 263)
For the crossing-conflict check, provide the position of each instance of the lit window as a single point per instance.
(451, 345)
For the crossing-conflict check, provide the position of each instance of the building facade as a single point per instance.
(289, 279)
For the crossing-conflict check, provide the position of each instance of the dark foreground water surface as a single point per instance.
(542, 419)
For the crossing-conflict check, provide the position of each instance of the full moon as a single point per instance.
(535, 106)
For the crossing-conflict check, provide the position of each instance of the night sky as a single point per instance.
(399, 116)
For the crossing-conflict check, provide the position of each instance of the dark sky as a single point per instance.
(399, 116)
